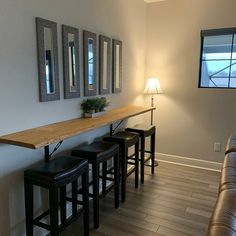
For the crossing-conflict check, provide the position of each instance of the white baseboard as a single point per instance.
(186, 161)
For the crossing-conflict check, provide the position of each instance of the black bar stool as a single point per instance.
(96, 153)
(144, 132)
(125, 141)
(54, 176)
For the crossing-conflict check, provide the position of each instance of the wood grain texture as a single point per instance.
(52, 133)
(176, 201)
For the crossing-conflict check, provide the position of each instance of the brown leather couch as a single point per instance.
(223, 219)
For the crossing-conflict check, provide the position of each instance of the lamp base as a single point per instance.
(149, 163)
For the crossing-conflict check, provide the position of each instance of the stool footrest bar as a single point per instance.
(42, 225)
(41, 216)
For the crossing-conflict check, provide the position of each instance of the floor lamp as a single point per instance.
(152, 88)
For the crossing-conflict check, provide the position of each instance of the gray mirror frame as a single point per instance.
(40, 25)
(86, 36)
(65, 31)
(114, 43)
(103, 39)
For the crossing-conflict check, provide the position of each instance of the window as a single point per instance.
(218, 58)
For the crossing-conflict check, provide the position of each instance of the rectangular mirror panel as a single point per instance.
(47, 60)
(105, 56)
(48, 50)
(104, 64)
(116, 66)
(90, 63)
(72, 63)
(70, 38)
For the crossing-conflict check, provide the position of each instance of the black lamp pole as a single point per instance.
(152, 105)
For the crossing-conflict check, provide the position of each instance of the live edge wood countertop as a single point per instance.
(52, 133)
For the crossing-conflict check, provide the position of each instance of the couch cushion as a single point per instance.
(231, 144)
(228, 175)
(220, 230)
(230, 160)
(223, 220)
(228, 179)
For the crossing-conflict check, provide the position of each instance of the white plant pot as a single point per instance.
(95, 114)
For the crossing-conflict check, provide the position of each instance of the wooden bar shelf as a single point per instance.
(52, 133)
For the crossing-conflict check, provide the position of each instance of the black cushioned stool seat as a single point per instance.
(125, 141)
(96, 153)
(54, 176)
(144, 132)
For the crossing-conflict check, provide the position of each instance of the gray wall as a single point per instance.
(189, 119)
(19, 98)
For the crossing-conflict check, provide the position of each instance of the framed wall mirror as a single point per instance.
(116, 66)
(104, 64)
(70, 40)
(47, 60)
(90, 63)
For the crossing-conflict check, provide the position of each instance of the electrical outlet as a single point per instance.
(217, 147)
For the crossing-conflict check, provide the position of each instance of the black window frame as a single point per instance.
(214, 32)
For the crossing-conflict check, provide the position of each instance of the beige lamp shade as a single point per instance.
(153, 86)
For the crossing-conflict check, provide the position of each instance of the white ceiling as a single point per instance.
(149, 1)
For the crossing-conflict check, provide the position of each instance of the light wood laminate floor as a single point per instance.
(176, 201)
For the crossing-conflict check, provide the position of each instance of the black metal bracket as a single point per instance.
(112, 131)
(48, 155)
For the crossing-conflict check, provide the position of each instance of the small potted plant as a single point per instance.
(103, 103)
(94, 107)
